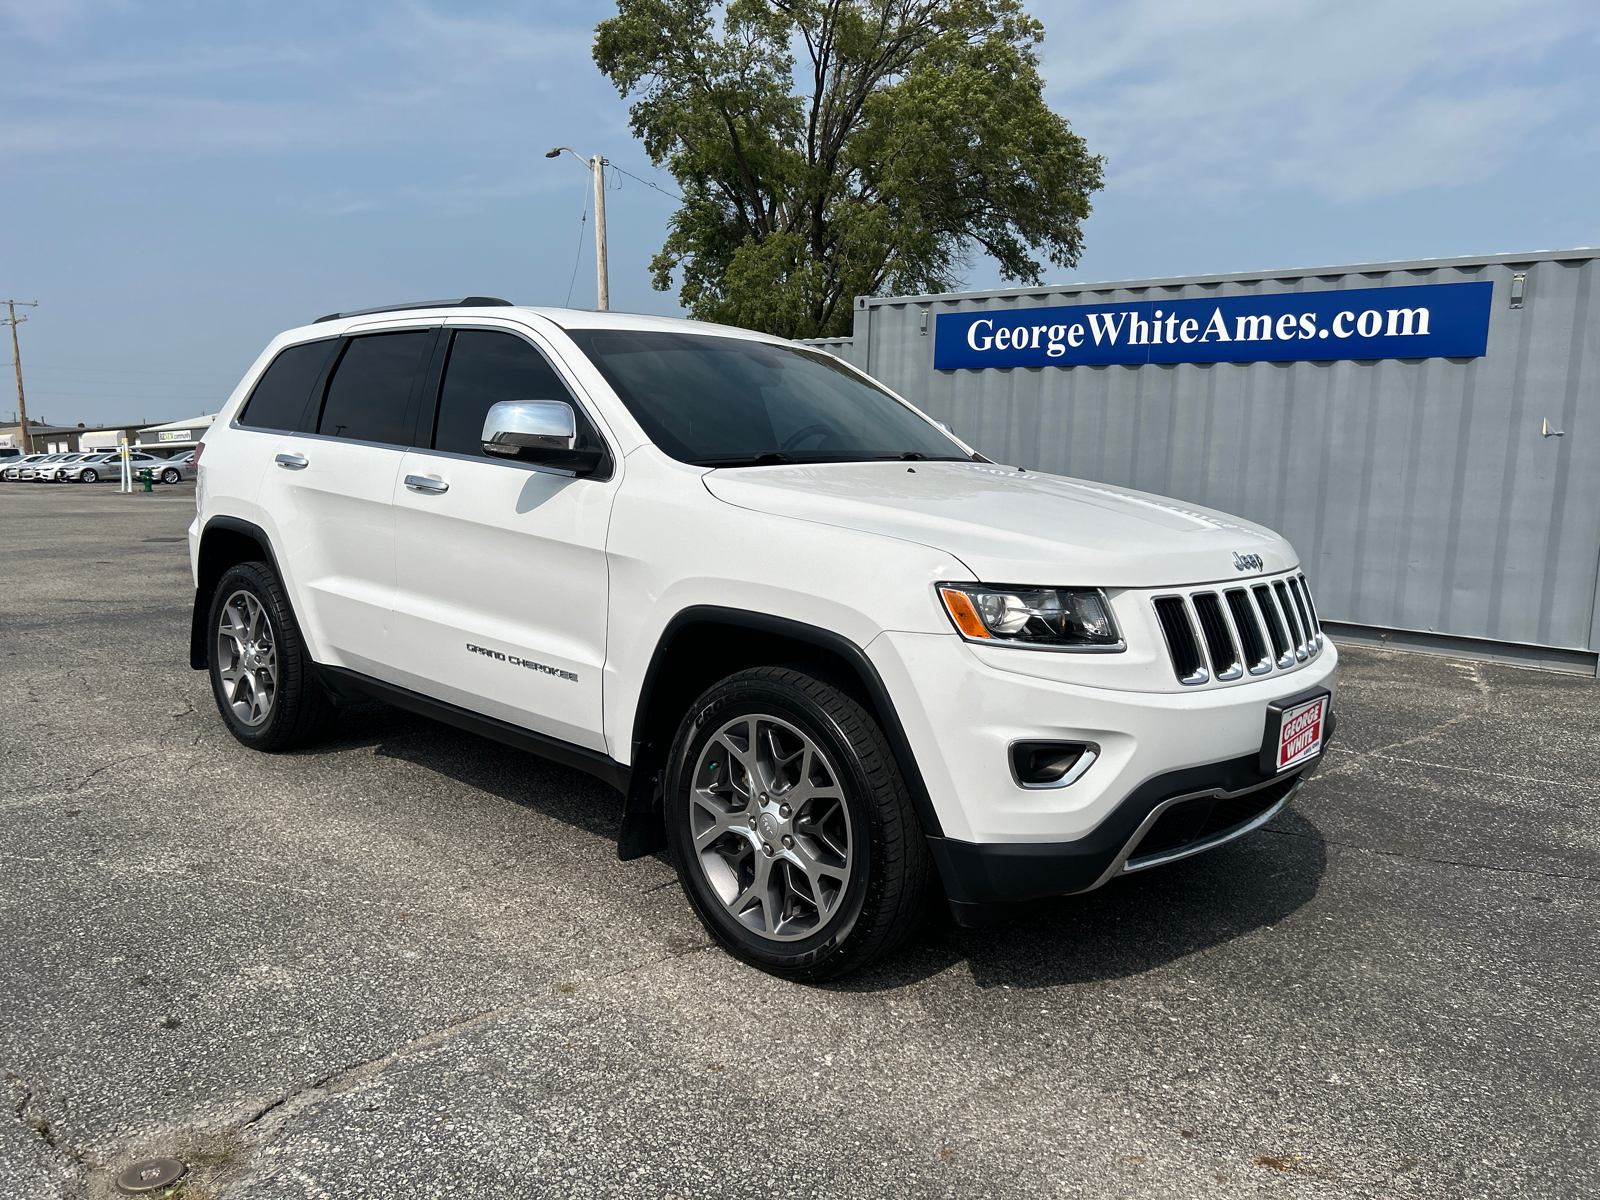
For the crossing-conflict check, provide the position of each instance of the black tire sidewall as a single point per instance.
(89, 476)
(740, 697)
(170, 477)
(258, 580)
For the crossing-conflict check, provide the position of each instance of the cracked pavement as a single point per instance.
(407, 962)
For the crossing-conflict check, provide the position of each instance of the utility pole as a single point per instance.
(16, 358)
(597, 166)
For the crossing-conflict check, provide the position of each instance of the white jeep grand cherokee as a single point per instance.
(830, 655)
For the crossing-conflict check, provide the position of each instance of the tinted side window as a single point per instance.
(281, 394)
(485, 368)
(371, 387)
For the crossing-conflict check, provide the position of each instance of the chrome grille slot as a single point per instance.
(1296, 638)
(1306, 627)
(1226, 663)
(1250, 635)
(1273, 620)
(1221, 634)
(1316, 621)
(1173, 613)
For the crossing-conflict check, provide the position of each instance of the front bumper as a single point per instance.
(1168, 818)
(1158, 751)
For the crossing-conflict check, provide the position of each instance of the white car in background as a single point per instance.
(51, 472)
(176, 470)
(40, 471)
(90, 468)
(13, 467)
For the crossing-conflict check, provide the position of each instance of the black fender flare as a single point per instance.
(642, 813)
(199, 650)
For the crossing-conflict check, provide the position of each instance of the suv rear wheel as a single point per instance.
(261, 674)
(791, 827)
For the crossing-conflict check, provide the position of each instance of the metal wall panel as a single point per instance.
(1421, 494)
(843, 347)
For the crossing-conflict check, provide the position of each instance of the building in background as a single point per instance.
(104, 437)
(1426, 433)
(43, 438)
(175, 437)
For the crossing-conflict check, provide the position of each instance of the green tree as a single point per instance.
(832, 148)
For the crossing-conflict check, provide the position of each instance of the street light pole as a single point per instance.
(597, 165)
(602, 283)
(16, 357)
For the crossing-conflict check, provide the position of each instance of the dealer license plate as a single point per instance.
(1300, 733)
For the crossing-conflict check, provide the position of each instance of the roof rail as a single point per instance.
(467, 302)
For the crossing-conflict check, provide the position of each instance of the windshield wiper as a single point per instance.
(769, 459)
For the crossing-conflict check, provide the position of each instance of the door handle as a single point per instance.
(422, 483)
(293, 462)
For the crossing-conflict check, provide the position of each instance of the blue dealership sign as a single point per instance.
(1439, 320)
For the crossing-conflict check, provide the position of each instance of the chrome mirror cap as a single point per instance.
(512, 426)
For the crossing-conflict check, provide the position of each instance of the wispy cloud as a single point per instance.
(370, 75)
(1350, 101)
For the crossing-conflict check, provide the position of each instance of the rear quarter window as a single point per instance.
(283, 393)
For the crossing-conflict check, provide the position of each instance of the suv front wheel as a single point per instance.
(791, 826)
(261, 674)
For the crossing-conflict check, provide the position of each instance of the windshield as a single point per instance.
(729, 402)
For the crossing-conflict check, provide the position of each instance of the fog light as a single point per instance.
(1051, 764)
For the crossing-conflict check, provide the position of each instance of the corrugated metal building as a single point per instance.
(1448, 503)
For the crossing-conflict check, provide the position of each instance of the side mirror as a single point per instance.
(540, 431)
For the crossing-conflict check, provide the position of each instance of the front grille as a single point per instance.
(1173, 614)
(1194, 823)
(1266, 627)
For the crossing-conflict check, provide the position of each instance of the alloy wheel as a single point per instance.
(771, 827)
(247, 658)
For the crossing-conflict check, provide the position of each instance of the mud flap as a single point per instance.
(644, 828)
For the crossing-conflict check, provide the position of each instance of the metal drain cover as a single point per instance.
(150, 1175)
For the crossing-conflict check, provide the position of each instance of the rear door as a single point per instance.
(329, 492)
(501, 591)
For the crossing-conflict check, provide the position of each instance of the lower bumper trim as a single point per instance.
(1167, 818)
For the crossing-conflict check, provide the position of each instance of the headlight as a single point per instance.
(1048, 618)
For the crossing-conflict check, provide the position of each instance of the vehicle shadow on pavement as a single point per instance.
(562, 793)
(1132, 925)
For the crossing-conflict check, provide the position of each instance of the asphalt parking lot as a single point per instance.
(408, 964)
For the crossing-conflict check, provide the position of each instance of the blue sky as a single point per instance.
(183, 180)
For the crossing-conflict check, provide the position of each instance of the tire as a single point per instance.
(808, 891)
(90, 475)
(261, 676)
(172, 475)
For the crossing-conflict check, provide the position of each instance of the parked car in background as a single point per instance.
(144, 462)
(109, 466)
(51, 472)
(31, 471)
(176, 470)
(13, 467)
(9, 455)
(89, 468)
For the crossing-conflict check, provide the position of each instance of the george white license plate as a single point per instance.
(1301, 731)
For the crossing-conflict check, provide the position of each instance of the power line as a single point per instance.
(189, 399)
(48, 366)
(646, 182)
(583, 224)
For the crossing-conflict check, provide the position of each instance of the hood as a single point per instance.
(1014, 527)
